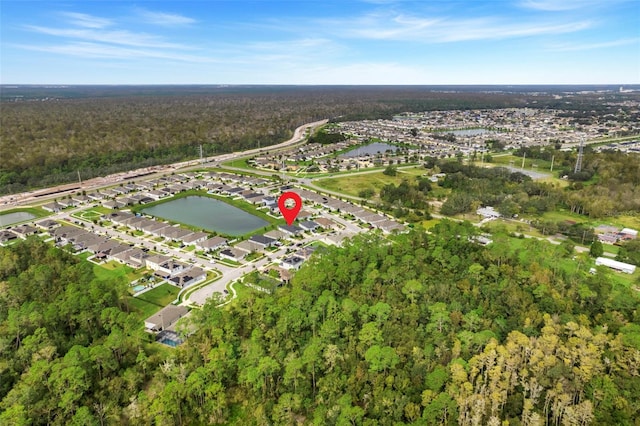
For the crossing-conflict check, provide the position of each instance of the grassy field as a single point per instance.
(504, 226)
(113, 269)
(624, 221)
(160, 296)
(354, 183)
(143, 308)
(93, 213)
(428, 224)
(240, 163)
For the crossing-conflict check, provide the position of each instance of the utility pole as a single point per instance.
(553, 157)
(524, 156)
(79, 180)
(201, 158)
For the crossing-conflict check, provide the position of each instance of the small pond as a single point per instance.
(371, 149)
(16, 217)
(209, 214)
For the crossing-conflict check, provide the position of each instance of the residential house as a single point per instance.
(261, 241)
(291, 230)
(165, 317)
(7, 236)
(195, 237)
(52, 207)
(292, 262)
(233, 254)
(48, 224)
(309, 225)
(189, 277)
(211, 244)
(66, 202)
(154, 262)
(23, 231)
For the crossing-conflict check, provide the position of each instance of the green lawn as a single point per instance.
(427, 224)
(93, 213)
(142, 307)
(239, 163)
(353, 184)
(624, 221)
(253, 256)
(160, 296)
(113, 269)
(501, 225)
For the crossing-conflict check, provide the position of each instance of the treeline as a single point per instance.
(629, 252)
(416, 329)
(407, 200)
(70, 354)
(326, 138)
(615, 190)
(422, 329)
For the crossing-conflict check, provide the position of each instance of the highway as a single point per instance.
(31, 198)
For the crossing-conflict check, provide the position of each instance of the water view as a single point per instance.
(209, 214)
(16, 217)
(371, 149)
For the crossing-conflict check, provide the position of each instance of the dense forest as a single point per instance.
(419, 328)
(70, 353)
(47, 135)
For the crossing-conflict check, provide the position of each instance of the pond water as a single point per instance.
(371, 149)
(470, 132)
(16, 217)
(209, 214)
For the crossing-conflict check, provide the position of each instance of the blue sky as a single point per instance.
(320, 42)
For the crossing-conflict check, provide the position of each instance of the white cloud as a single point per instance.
(87, 36)
(443, 30)
(591, 46)
(164, 19)
(121, 37)
(87, 21)
(562, 5)
(106, 51)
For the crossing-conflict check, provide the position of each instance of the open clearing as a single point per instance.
(113, 269)
(353, 184)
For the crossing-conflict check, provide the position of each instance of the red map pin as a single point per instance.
(289, 213)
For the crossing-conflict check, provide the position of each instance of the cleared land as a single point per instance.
(153, 300)
(354, 183)
(113, 269)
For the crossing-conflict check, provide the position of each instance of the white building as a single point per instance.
(614, 264)
(488, 212)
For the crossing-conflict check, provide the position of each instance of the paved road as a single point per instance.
(28, 198)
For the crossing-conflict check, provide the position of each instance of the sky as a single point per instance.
(320, 42)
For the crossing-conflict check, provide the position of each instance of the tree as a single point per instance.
(390, 170)
(366, 193)
(596, 249)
